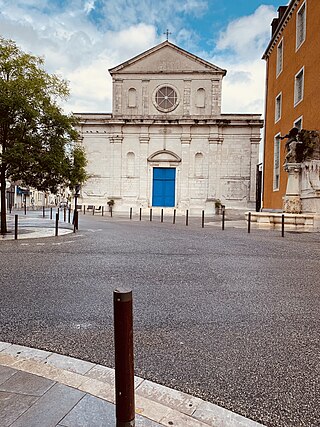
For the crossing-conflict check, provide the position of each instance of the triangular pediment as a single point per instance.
(166, 58)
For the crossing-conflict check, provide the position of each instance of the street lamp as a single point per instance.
(76, 195)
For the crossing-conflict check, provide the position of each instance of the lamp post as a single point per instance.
(76, 195)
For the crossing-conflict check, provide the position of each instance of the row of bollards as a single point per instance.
(57, 217)
(202, 219)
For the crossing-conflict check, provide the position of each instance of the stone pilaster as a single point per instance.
(117, 90)
(145, 97)
(144, 178)
(184, 197)
(186, 97)
(216, 88)
(116, 158)
(214, 174)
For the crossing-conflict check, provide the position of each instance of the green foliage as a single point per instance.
(37, 140)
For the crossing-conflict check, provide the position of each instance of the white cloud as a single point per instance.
(81, 49)
(239, 49)
(246, 37)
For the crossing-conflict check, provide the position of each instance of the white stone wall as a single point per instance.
(214, 162)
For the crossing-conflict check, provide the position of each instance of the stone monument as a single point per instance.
(302, 162)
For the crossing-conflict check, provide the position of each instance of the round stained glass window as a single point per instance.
(166, 99)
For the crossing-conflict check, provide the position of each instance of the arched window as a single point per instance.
(132, 97)
(200, 98)
(130, 163)
(198, 164)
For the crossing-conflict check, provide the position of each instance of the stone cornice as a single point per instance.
(282, 24)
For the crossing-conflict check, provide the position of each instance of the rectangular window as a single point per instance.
(278, 107)
(279, 57)
(298, 123)
(298, 86)
(276, 163)
(301, 25)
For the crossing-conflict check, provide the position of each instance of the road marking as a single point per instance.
(24, 244)
(56, 244)
(40, 244)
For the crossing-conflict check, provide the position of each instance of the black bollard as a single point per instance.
(57, 222)
(111, 211)
(174, 216)
(140, 214)
(282, 225)
(69, 215)
(84, 209)
(93, 210)
(187, 217)
(102, 211)
(124, 363)
(150, 214)
(50, 213)
(25, 208)
(43, 212)
(130, 213)
(202, 222)
(249, 222)
(15, 227)
(64, 214)
(161, 215)
(223, 219)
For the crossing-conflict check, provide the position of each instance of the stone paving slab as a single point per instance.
(25, 383)
(68, 393)
(50, 408)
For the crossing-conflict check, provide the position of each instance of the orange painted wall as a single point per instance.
(307, 56)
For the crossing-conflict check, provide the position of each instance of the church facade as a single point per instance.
(166, 143)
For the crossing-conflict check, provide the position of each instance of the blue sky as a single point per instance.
(81, 39)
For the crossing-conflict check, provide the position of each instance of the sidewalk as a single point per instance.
(33, 225)
(44, 389)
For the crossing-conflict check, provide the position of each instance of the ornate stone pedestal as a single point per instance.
(292, 201)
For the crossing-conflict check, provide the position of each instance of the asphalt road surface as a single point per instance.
(227, 316)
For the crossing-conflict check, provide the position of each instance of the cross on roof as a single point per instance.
(167, 33)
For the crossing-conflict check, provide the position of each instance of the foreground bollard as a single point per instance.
(140, 214)
(43, 212)
(84, 209)
(64, 214)
(174, 216)
(57, 222)
(15, 227)
(150, 214)
(161, 219)
(69, 215)
(25, 208)
(187, 217)
(102, 211)
(130, 213)
(202, 223)
(124, 364)
(249, 222)
(111, 211)
(93, 210)
(223, 220)
(50, 213)
(282, 225)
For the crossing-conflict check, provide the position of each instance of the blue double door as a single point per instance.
(164, 187)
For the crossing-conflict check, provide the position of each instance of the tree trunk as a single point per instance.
(3, 200)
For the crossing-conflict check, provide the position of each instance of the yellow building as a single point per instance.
(292, 88)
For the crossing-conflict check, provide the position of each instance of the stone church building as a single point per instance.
(166, 143)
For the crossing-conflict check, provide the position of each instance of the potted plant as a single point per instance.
(217, 206)
(110, 203)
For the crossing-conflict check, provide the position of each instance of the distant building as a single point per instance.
(292, 88)
(166, 143)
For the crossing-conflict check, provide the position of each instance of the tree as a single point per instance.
(38, 142)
